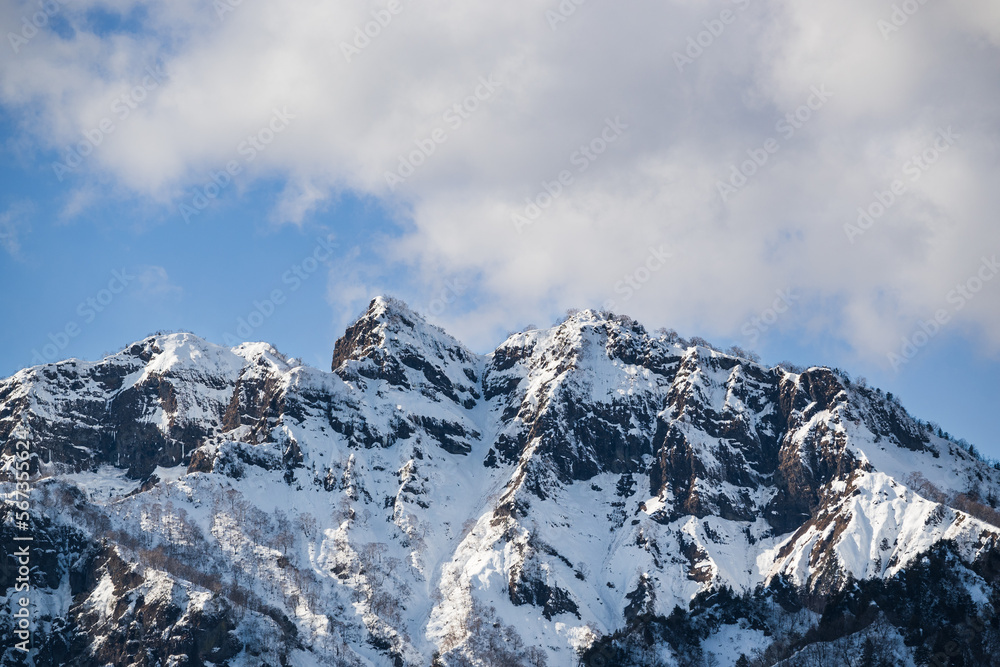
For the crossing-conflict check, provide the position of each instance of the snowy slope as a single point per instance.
(420, 500)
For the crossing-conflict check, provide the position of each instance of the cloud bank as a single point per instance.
(683, 162)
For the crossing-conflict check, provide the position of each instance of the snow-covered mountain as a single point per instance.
(586, 494)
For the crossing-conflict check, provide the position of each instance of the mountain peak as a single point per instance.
(392, 343)
(387, 326)
(392, 312)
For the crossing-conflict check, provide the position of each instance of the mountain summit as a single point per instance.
(592, 493)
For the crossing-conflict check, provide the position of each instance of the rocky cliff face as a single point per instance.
(587, 492)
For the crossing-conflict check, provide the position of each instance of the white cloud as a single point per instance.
(154, 283)
(353, 120)
(79, 201)
(14, 223)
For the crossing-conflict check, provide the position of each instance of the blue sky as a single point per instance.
(494, 166)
